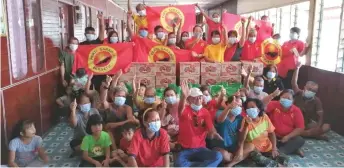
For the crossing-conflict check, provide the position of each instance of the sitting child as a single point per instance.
(25, 147)
(79, 80)
(64, 102)
(95, 145)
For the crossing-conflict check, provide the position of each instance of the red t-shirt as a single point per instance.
(106, 41)
(212, 108)
(193, 127)
(284, 122)
(149, 152)
(211, 27)
(289, 60)
(124, 144)
(250, 51)
(264, 30)
(198, 47)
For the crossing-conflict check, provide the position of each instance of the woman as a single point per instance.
(288, 121)
(184, 38)
(172, 41)
(215, 52)
(196, 44)
(234, 48)
(113, 37)
(117, 112)
(168, 111)
(271, 80)
(66, 58)
(208, 103)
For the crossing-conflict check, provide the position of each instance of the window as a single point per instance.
(34, 34)
(2, 19)
(17, 36)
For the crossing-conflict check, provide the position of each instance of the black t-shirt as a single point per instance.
(237, 54)
(96, 41)
(270, 87)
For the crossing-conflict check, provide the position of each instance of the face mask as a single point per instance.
(185, 38)
(73, 47)
(142, 12)
(143, 33)
(309, 94)
(119, 101)
(195, 107)
(294, 36)
(154, 126)
(149, 100)
(172, 41)
(252, 39)
(232, 40)
(216, 40)
(207, 98)
(85, 108)
(286, 103)
(113, 39)
(236, 111)
(271, 75)
(243, 99)
(217, 20)
(252, 112)
(197, 35)
(258, 89)
(90, 37)
(171, 99)
(161, 35)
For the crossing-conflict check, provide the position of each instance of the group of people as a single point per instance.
(264, 121)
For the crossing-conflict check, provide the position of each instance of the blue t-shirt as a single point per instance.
(25, 153)
(229, 130)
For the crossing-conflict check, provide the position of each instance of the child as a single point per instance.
(120, 154)
(150, 144)
(79, 80)
(65, 101)
(25, 147)
(95, 145)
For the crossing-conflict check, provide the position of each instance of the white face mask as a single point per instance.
(142, 13)
(73, 47)
(185, 38)
(172, 41)
(252, 39)
(113, 39)
(160, 35)
(232, 40)
(90, 37)
(217, 20)
(294, 36)
(216, 40)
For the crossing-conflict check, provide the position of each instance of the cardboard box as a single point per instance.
(209, 80)
(131, 71)
(231, 79)
(210, 69)
(145, 69)
(165, 69)
(126, 79)
(190, 69)
(257, 67)
(190, 79)
(231, 68)
(149, 81)
(164, 81)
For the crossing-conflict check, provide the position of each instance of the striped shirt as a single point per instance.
(25, 153)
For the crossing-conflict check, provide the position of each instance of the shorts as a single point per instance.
(214, 143)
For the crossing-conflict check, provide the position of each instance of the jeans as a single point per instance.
(291, 146)
(198, 157)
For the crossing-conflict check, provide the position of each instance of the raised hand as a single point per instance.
(73, 105)
(276, 93)
(185, 88)
(108, 80)
(250, 69)
(243, 20)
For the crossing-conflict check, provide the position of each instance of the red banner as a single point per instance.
(104, 58)
(264, 30)
(232, 22)
(145, 50)
(166, 16)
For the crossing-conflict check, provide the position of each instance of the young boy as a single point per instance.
(120, 154)
(64, 102)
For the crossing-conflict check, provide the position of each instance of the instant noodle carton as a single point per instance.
(231, 78)
(126, 79)
(230, 68)
(165, 69)
(257, 67)
(145, 69)
(164, 81)
(190, 69)
(210, 69)
(190, 79)
(149, 81)
(209, 80)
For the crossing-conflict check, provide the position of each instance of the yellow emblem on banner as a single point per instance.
(102, 59)
(170, 16)
(271, 52)
(161, 53)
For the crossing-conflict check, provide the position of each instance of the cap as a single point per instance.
(195, 92)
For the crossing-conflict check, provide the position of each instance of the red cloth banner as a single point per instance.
(232, 22)
(264, 30)
(145, 50)
(104, 58)
(166, 16)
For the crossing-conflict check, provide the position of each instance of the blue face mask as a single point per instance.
(85, 108)
(171, 99)
(143, 33)
(119, 101)
(271, 75)
(258, 89)
(286, 103)
(309, 94)
(207, 98)
(236, 111)
(149, 100)
(252, 112)
(113, 39)
(196, 107)
(154, 126)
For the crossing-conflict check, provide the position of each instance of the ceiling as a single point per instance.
(202, 3)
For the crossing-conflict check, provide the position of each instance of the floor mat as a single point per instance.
(317, 153)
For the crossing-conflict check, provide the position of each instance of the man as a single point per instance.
(140, 18)
(311, 107)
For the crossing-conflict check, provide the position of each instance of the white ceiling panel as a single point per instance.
(203, 3)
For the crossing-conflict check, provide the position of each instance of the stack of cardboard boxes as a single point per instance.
(190, 71)
(257, 67)
(165, 74)
(210, 73)
(231, 72)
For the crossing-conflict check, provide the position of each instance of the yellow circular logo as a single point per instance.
(271, 52)
(238, 27)
(161, 53)
(102, 59)
(170, 16)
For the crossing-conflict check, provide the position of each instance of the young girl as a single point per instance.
(25, 147)
(79, 80)
(95, 145)
(150, 144)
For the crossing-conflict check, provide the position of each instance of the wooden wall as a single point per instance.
(33, 97)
